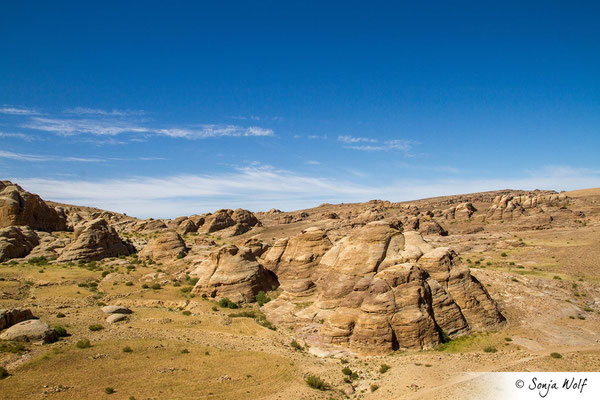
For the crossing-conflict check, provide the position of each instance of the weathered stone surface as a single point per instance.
(32, 330)
(168, 246)
(243, 220)
(94, 240)
(16, 242)
(232, 272)
(13, 316)
(111, 319)
(116, 310)
(379, 289)
(19, 207)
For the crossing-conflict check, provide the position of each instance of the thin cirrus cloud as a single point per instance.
(98, 111)
(262, 187)
(114, 127)
(371, 144)
(11, 110)
(27, 138)
(52, 158)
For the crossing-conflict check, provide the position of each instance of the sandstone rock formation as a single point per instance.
(168, 246)
(19, 207)
(13, 316)
(232, 272)
(509, 206)
(242, 220)
(94, 240)
(17, 242)
(378, 289)
(32, 330)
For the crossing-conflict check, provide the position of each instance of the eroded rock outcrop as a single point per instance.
(240, 221)
(13, 316)
(378, 289)
(19, 207)
(232, 272)
(94, 240)
(168, 246)
(17, 242)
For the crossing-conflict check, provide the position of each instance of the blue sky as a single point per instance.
(175, 109)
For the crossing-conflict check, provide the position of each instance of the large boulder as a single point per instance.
(19, 207)
(13, 316)
(17, 242)
(168, 246)
(95, 240)
(242, 220)
(32, 330)
(232, 272)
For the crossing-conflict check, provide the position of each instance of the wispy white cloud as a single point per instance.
(387, 145)
(11, 110)
(317, 137)
(212, 131)
(27, 138)
(114, 127)
(313, 162)
(354, 139)
(98, 111)
(44, 158)
(261, 188)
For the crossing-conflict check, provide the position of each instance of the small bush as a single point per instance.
(374, 387)
(445, 337)
(95, 327)
(490, 349)
(60, 315)
(109, 390)
(145, 286)
(384, 368)
(214, 308)
(558, 278)
(262, 298)
(60, 331)
(296, 345)
(346, 371)
(504, 255)
(104, 273)
(316, 383)
(556, 355)
(185, 351)
(186, 289)
(127, 349)
(180, 256)
(226, 303)
(3, 373)
(129, 284)
(186, 312)
(83, 344)
(155, 286)
(508, 339)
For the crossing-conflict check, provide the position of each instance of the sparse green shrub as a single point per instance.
(558, 278)
(445, 338)
(145, 286)
(504, 255)
(556, 355)
(374, 387)
(127, 349)
(60, 330)
(214, 308)
(226, 303)
(83, 344)
(128, 283)
(296, 345)
(490, 349)
(3, 373)
(109, 390)
(384, 368)
(185, 351)
(186, 312)
(155, 286)
(60, 315)
(180, 256)
(316, 383)
(95, 327)
(186, 289)
(508, 339)
(262, 298)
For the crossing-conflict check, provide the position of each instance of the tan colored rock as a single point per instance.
(232, 272)
(13, 316)
(16, 242)
(94, 240)
(168, 246)
(19, 207)
(32, 330)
